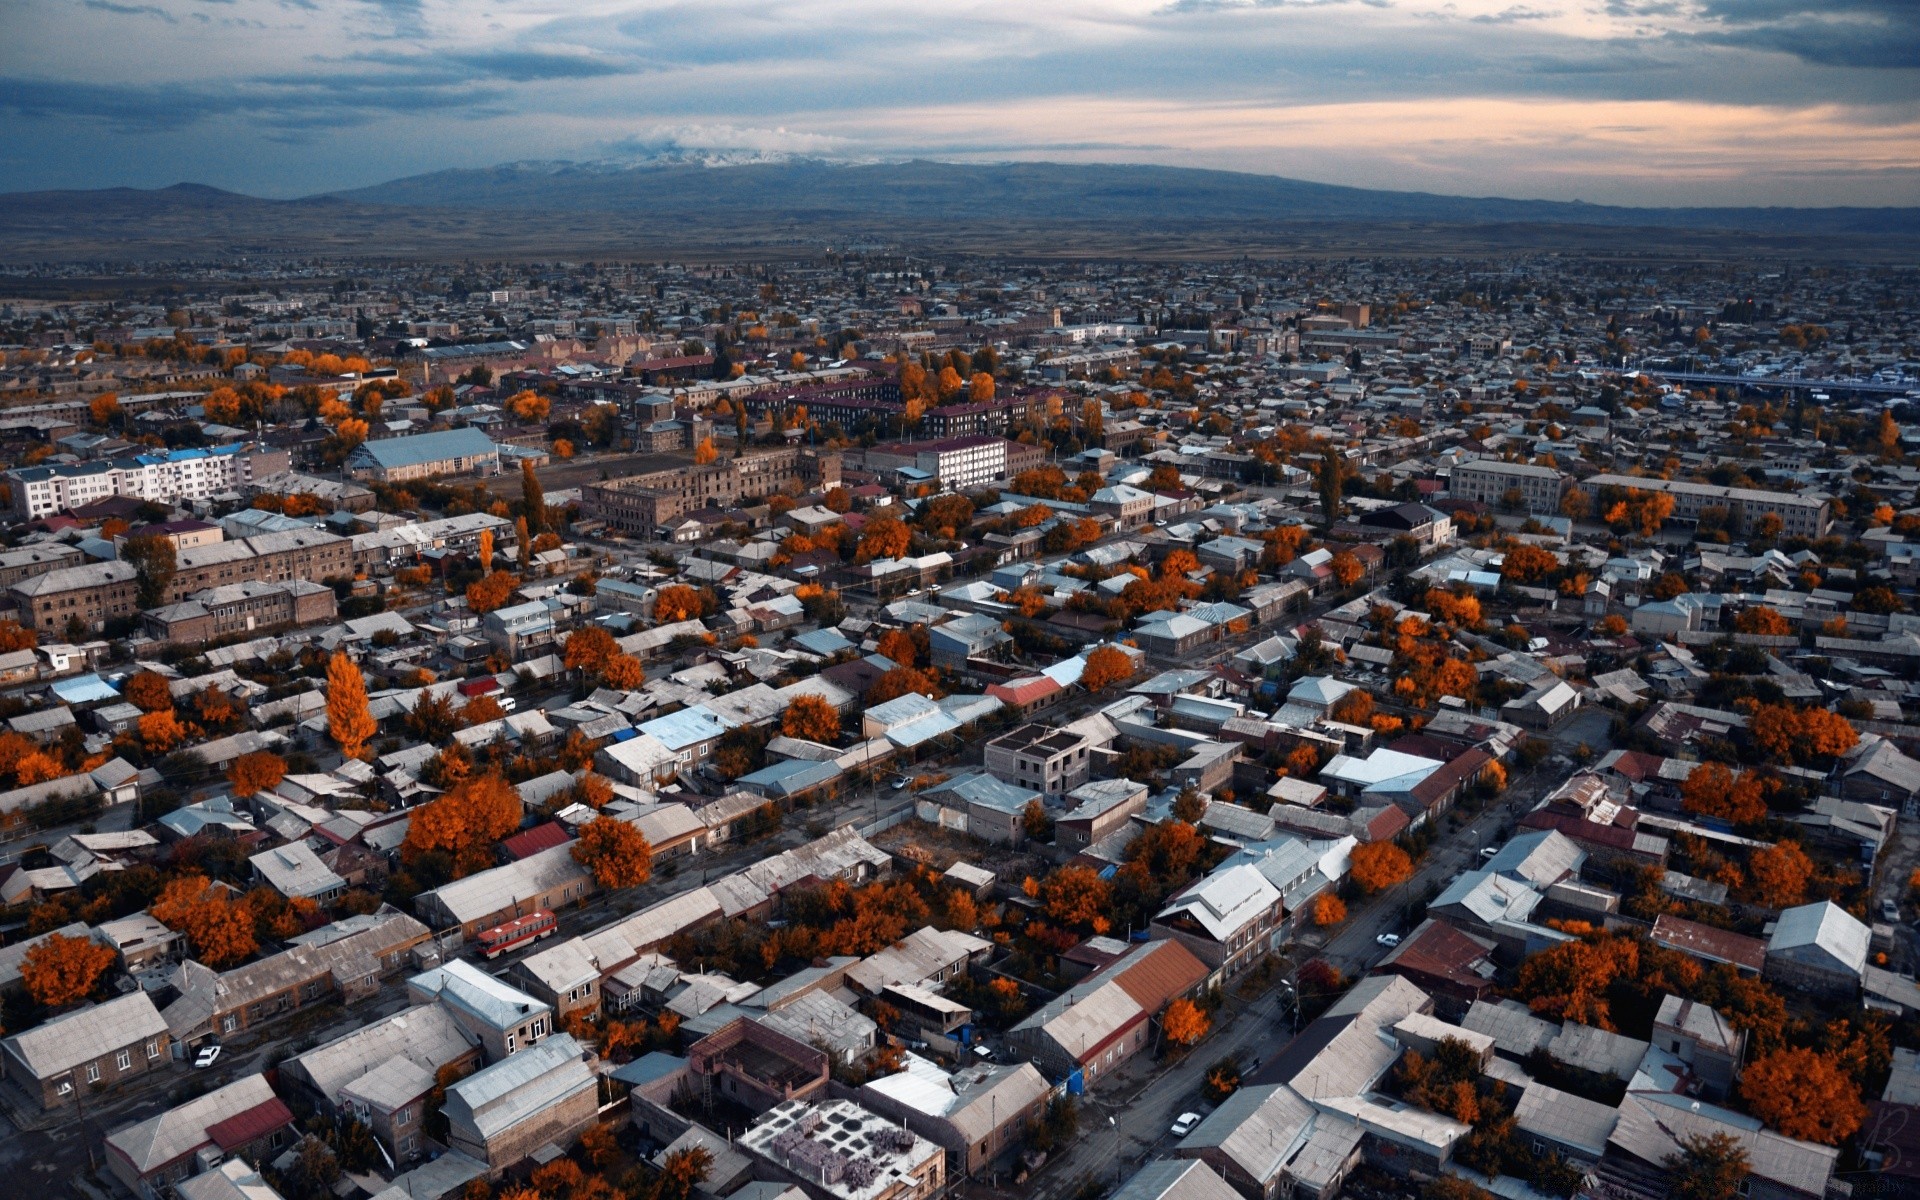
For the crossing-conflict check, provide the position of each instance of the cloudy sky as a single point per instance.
(1611, 101)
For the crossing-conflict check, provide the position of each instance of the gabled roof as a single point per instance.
(1825, 929)
(162, 1139)
(77, 1037)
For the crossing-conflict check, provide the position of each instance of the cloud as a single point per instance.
(133, 10)
(525, 65)
(1508, 16)
(1876, 34)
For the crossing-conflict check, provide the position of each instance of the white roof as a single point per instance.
(1824, 926)
(1225, 902)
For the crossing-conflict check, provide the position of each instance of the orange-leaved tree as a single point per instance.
(349, 720)
(588, 649)
(898, 645)
(617, 853)
(1354, 708)
(491, 591)
(811, 718)
(465, 823)
(883, 537)
(1328, 909)
(219, 931)
(705, 453)
(1184, 1023)
(486, 551)
(678, 602)
(1803, 1094)
(1778, 875)
(1712, 791)
(898, 682)
(259, 771)
(1377, 866)
(1346, 568)
(1077, 896)
(1762, 619)
(148, 691)
(623, 671)
(62, 970)
(1106, 666)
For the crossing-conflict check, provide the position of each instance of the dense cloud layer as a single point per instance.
(1625, 101)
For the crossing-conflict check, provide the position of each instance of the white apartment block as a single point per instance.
(165, 477)
(1487, 481)
(964, 461)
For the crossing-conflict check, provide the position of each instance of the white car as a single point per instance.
(1388, 939)
(1489, 851)
(207, 1057)
(1185, 1124)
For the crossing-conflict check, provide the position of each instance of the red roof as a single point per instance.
(250, 1126)
(1709, 943)
(533, 841)
(1025, 692)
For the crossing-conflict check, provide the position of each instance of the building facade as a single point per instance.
(1487, 481)
(163, 476)
(642, 503)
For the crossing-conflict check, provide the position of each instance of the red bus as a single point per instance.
(504, 937)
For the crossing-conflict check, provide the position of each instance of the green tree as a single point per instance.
(1708, 1167)
(153, 568)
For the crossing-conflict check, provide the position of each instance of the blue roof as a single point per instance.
(85, 689)
(688, 727)
(648, 1067)
(823, 641)
(791, 776)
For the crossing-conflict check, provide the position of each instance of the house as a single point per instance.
(140, 941)
(1045, 759)
(927, 958)
(982, 806)
(548, 879)
(977, 1113)
(565, 976)
(1710, 944)
(1096, 810)
(1453, 966)
(346, 959)
(1174, 1179)
(757, 1067)
(1878, 773)
(544, 1095)
(1229, 919)
(102, 1045)
(1099, 1023)
(504, 1019)
(1819, 948)
(1653, 1128)
(243, 1119)
(297, 873)
(377, 1072)
(1544, 706)
(1704, 1040)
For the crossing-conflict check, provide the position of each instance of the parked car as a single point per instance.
(1388, 939)
(1185, 1124)
(1489, 851)
(1890, 910)
(207, 1057)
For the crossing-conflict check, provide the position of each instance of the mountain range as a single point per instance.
(695, 204)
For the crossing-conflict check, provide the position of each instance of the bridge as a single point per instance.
(1787, 383)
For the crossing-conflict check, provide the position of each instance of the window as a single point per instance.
(123, 1060)
(153, 1049)
(403, 1117)
(540, 1027)
(66, 1087)
(93, 1072)
(229, 1023)
(510, 1045)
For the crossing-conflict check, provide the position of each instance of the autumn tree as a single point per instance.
(811, 718)
(491, 591)
(1800, 735)
(1328, 909)
(63, 970)
(704, 453)
(259, 771)
(349, 720)
(1778, 875)
(1106, 666)
(589, 648)
(678, 602)
(160, 731)
(617, 853)
(898, 682)
(466, 823)
(14, 636)
(898, 645)
(533, 498)
(486, 551)
(1762, 619)
(1184, 1023)
(1525, 564)
(1377, 866)
(220, 932)
(1712, 791)
(1354, 708)
(681, 1172)
(1803, 1094)
(1453, 607)
(623, 671)
(1711, 1166)
(148, 691)
(1077, 896)
(883, 537)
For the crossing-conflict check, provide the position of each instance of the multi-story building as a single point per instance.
(502, 1113)
(643, 503)
(1488, 481)
(1041, 758)
(951, 462)
(243, 1119)
(98, 592)
(814, 1145)
(501, 1017)
(240, 608)
(162, 476)
(1800, 515)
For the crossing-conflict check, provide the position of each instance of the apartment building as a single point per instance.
(957, 462)
(1800, 516)
(240, 608)
(162, 476)
(1487, 481)
(642, 503)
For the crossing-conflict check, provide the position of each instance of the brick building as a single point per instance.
(642, 503)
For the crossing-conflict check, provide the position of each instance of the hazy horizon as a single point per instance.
(1632, 102)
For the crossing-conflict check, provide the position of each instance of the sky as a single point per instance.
(1708, 102)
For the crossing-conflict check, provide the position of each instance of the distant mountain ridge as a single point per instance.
(922, 189)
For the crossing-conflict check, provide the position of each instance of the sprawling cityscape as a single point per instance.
(1370, 727)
